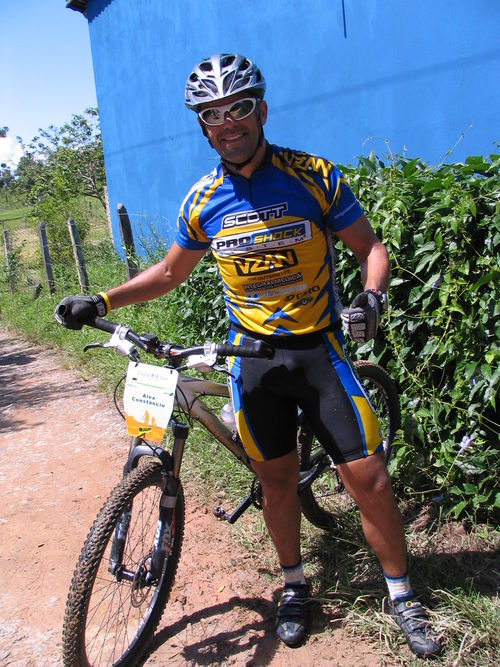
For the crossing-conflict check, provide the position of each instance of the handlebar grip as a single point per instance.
(62, 311)
(103, 325)
(257, 348)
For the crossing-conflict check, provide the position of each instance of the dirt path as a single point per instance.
(62, 448)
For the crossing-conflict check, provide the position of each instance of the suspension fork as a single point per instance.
(121, 530)
(171, 464)
(165, 528)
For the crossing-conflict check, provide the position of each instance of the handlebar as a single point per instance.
(161, 350)
(111, 327)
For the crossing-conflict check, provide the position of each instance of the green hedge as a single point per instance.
(442, 228)
(440, 337)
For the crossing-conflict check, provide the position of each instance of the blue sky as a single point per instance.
(47, 73)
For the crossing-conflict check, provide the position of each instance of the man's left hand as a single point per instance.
(361, 320)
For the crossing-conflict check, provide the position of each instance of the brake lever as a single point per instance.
(92, 345)
(119, 343)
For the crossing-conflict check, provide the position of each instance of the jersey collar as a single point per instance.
(265, 161)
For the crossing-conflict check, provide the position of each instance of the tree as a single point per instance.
(64, 163)
(6, 176)
(29, 171)
(80, 157)
(60, 167)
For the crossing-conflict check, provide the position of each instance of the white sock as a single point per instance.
(294, 574)
(399, 587)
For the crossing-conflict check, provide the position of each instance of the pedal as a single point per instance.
(243, 505)
(220, 513)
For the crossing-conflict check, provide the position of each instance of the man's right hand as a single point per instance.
(75, 311)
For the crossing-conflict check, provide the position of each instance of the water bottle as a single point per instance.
(227, 415)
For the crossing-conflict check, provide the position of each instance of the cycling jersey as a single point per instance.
(272, 238)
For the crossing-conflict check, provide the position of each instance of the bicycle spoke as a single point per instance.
(110, 617)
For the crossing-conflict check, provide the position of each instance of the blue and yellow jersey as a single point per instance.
(272, 237)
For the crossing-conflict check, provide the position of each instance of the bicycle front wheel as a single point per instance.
(322, 500)
(109, 619)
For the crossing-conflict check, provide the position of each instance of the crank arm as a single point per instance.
(220, 512)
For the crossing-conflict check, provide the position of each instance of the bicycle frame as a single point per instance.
(189, 391)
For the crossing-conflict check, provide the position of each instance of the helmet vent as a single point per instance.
(227, 60)
(242, 83)
(211, 85)
(221, 76)
(229, 83)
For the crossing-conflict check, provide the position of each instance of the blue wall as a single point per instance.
(409, 77)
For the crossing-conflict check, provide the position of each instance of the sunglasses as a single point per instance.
(237, 110)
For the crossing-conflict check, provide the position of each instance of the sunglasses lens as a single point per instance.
(242, 109)
(212, 116)
(239, 110)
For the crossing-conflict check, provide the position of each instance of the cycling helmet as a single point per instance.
(220, 76)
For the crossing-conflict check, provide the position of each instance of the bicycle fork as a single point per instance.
(150, 572)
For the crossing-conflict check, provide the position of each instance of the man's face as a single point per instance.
(235, 140)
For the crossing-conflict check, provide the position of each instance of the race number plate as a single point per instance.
(149, 399)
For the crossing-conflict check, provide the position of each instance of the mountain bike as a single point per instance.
(126, 569)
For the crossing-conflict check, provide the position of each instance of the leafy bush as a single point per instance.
(198, 305)
(440, 338)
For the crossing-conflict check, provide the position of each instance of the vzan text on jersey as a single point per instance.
(272, 238)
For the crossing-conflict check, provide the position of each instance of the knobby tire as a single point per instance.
(321, 501)
(108, 622)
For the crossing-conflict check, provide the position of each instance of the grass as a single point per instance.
(454, 566)
(13, 217)
(454, 569)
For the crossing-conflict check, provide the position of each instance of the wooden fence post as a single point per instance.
(127, 241)
(83, 278)
(108, 213)
(47, 264)
(8, 268)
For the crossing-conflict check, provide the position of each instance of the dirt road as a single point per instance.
(62, 447)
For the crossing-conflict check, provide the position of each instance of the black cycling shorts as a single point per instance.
(313, 373)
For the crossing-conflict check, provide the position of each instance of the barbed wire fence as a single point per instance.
(34, 262)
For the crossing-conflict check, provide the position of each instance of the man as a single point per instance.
(269, 216)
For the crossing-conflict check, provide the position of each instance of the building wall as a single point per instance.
(345, 78)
